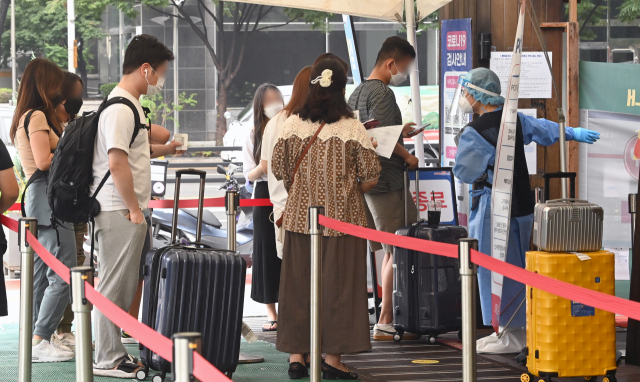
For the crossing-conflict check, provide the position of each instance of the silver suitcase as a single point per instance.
(568, 225)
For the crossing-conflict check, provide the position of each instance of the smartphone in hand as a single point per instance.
(371, 124)
(415, 131)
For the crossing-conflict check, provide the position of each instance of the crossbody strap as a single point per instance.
(305, 151)
(295, 169)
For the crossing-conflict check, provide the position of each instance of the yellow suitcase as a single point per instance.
(566, 338)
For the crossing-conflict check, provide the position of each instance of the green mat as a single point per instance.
(273, 369)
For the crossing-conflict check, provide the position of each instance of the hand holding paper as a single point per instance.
(387, 137)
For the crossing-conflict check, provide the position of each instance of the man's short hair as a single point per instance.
(143, 49)
(397, 48)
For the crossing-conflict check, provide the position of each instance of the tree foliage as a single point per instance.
(161, 111)
(593, 13)
(203, 16)
(629, 10)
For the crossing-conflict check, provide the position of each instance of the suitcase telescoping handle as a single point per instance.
(407, 184)
(560, 175)
(176, 200)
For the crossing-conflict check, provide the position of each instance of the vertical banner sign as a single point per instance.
(456, 60)
(503, 175)
(352, 47)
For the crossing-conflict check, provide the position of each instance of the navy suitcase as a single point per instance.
(426, 291)
(195, 289)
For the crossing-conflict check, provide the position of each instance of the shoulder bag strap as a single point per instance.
(27, 120)
(295, 169)
(35, 176)
(305, 151)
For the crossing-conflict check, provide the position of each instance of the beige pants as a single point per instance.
(385, 212)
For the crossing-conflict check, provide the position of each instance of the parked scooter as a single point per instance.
(212, 232)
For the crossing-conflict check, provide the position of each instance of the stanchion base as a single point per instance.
(248, 358)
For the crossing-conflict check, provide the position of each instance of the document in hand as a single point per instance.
(387, 137)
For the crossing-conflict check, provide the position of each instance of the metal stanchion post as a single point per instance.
(82, 312)
(315, 229)
(633, 205)
(232, 202)
(26, 297)
(184, 344)
(468, 272)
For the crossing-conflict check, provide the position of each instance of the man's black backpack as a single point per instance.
(71, 172)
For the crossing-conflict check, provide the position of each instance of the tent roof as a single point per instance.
(377, 9)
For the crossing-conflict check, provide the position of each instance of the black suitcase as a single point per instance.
(195, 289)
(426, 292)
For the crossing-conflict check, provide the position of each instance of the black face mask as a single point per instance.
(73, 105)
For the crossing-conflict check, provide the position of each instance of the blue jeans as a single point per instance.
(50, 292)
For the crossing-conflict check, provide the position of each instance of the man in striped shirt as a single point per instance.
(375, 100)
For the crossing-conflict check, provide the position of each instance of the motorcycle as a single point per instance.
(213, 234)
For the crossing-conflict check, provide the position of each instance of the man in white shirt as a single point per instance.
(120, 227)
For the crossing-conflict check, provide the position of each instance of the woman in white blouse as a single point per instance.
(265, 282)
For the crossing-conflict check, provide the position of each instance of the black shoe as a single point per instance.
(330, 372)
(297, 370)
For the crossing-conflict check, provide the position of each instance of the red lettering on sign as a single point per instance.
(426, 196)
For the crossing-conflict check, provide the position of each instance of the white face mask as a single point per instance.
(271, 110)
(465, 106)
(398, 78)
(154, 89)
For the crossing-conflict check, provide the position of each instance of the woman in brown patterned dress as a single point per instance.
(338, 167)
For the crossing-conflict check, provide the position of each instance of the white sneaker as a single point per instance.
(67, 340)
(46, 352)
(56, 342)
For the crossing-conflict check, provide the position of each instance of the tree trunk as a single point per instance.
(4, 8)
(221, 125)
(82, 64)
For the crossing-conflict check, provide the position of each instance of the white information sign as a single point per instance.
(535, 80)
(503, 175)
(621, 263)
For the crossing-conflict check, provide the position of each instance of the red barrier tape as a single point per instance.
(420, 245)
(192, 203)
(559, 288)
(153, 340)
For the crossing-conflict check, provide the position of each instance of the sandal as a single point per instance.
(297, 370)
(125, 370)
(271, 328)
(330, 372)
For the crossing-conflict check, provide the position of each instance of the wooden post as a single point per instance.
(573, 11)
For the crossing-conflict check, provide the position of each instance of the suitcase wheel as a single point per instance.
(158, 377)
(591, 379)
(525, 377)
(397, 337)
(431, 339)
(141, 374)
(609, 378)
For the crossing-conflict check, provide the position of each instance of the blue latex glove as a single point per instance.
(585, 135)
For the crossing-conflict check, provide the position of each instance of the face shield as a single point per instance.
(461, 91)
